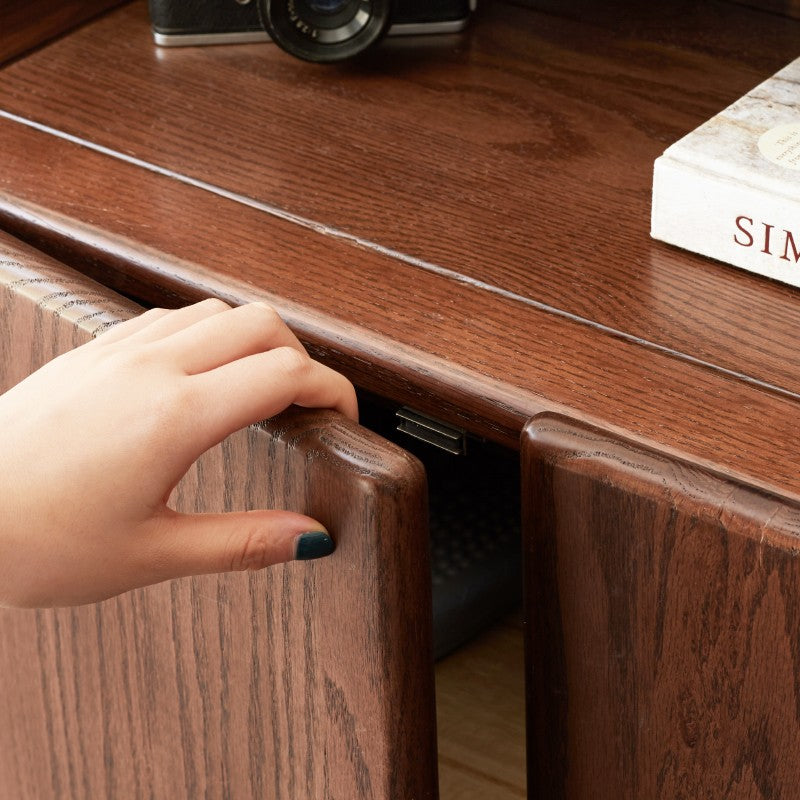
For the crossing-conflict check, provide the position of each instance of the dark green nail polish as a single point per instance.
(314, 544)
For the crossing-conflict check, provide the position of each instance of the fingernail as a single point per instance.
(314, 544)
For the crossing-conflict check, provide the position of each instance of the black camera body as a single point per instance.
(315, 30)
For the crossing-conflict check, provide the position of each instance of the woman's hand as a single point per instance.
(92, 444)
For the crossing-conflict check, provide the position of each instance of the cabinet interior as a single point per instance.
(480, 689)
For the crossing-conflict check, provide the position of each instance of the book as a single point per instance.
(730, 189)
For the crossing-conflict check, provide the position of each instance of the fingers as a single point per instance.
(199, 544)
(244, 363)
(221, 338)
(178, 319)
(262, 385)
(156, 323)
(130, 326)
(208, 334)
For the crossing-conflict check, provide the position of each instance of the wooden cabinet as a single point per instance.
(307, 680)
(460, 225)
(663, 624)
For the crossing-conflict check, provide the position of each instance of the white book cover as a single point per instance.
(731, 188)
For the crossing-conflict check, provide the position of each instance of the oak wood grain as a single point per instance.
(485, 362)
(518, 155)
(24, 25)
(310, 680)
(663, 628)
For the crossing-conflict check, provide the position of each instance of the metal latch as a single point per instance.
(433, 431)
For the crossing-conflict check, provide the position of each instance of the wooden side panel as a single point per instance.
(24, 25)
(306, 681)
(663, 649)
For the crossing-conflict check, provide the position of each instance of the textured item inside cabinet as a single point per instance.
(474, 503)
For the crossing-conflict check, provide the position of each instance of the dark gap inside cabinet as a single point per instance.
(474, 505)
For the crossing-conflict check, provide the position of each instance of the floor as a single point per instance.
(480, 695)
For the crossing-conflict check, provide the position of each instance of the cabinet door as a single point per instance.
(305, 681)
(664, 625)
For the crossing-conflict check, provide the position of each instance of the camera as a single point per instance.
(314, 30)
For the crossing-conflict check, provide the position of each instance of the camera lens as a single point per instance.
(327, 6)
(325, 30)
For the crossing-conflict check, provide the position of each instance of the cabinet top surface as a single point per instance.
(462, 217)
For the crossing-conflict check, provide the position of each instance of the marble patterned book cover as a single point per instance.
(731, 188)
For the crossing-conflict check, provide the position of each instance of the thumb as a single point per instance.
(200, 544)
